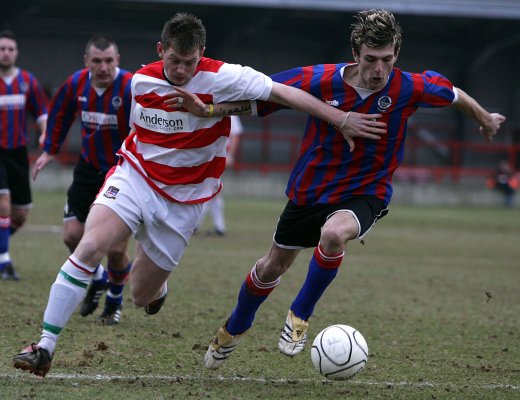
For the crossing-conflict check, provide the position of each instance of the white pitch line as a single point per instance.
(195, 378)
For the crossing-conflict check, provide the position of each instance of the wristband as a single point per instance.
(211, 109)
(344, 122)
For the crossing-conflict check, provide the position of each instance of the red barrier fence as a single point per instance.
(272, 145)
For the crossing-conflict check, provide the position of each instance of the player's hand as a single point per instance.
(41, 139)
(182, 98)
(41, 162)
(364, 126)
(491, 129)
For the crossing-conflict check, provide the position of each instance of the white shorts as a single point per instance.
(162, 227)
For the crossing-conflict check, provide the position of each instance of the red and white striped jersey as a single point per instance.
(182, 156)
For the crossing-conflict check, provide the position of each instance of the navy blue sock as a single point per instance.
(322, 271)
(4, 242)
(252, 294)
(101, 281)
(244, 313)
(116, 284)
(115, 293)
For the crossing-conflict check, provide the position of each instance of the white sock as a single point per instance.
(217, 211)
(66, 294)
(48, 341)
(99, 272)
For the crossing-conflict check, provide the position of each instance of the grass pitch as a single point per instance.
(435, 292)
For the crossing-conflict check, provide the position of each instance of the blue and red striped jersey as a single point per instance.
(19, 96)
(105, 117)
(326, 171)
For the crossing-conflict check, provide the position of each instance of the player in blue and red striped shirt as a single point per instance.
(339, 186)
(20, 95)
(100, 96)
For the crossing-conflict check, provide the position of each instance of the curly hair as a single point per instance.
(185, 31)
(376, 29)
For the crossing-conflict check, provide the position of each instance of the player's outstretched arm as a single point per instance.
(489, 122)
(350, 124)
(182, 98)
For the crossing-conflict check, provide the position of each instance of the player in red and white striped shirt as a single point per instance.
(171, 164)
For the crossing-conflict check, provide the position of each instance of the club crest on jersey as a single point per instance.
(23, 87)
(116, 102)
(111, 192)
(384, 103)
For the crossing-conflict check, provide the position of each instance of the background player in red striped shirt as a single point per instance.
(20, 95)
(172, 163)
(100, 95)
(338, 190)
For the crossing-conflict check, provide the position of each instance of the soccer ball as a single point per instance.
(339, 352)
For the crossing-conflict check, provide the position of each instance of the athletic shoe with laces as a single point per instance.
(293, 336)
(154, 306)
(91, 301)
(221, 347)
(9, 273)
(34, 359)
(111, 314)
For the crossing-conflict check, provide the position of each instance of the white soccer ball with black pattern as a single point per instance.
(339, 352)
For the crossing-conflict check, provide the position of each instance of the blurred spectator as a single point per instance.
(504, 180)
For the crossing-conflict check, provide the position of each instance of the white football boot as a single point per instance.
(220, 348)
(293, 336)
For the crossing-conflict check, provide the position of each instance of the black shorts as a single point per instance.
(300, 226)
(14, 176)
(86, 183)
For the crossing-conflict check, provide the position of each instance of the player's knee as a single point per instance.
(336, 236)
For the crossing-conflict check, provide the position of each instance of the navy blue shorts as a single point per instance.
(300, 226)
(14, 175)
(86, 183)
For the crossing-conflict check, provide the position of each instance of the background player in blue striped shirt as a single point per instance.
(20, 95)
(100, 94)
(340, 186)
